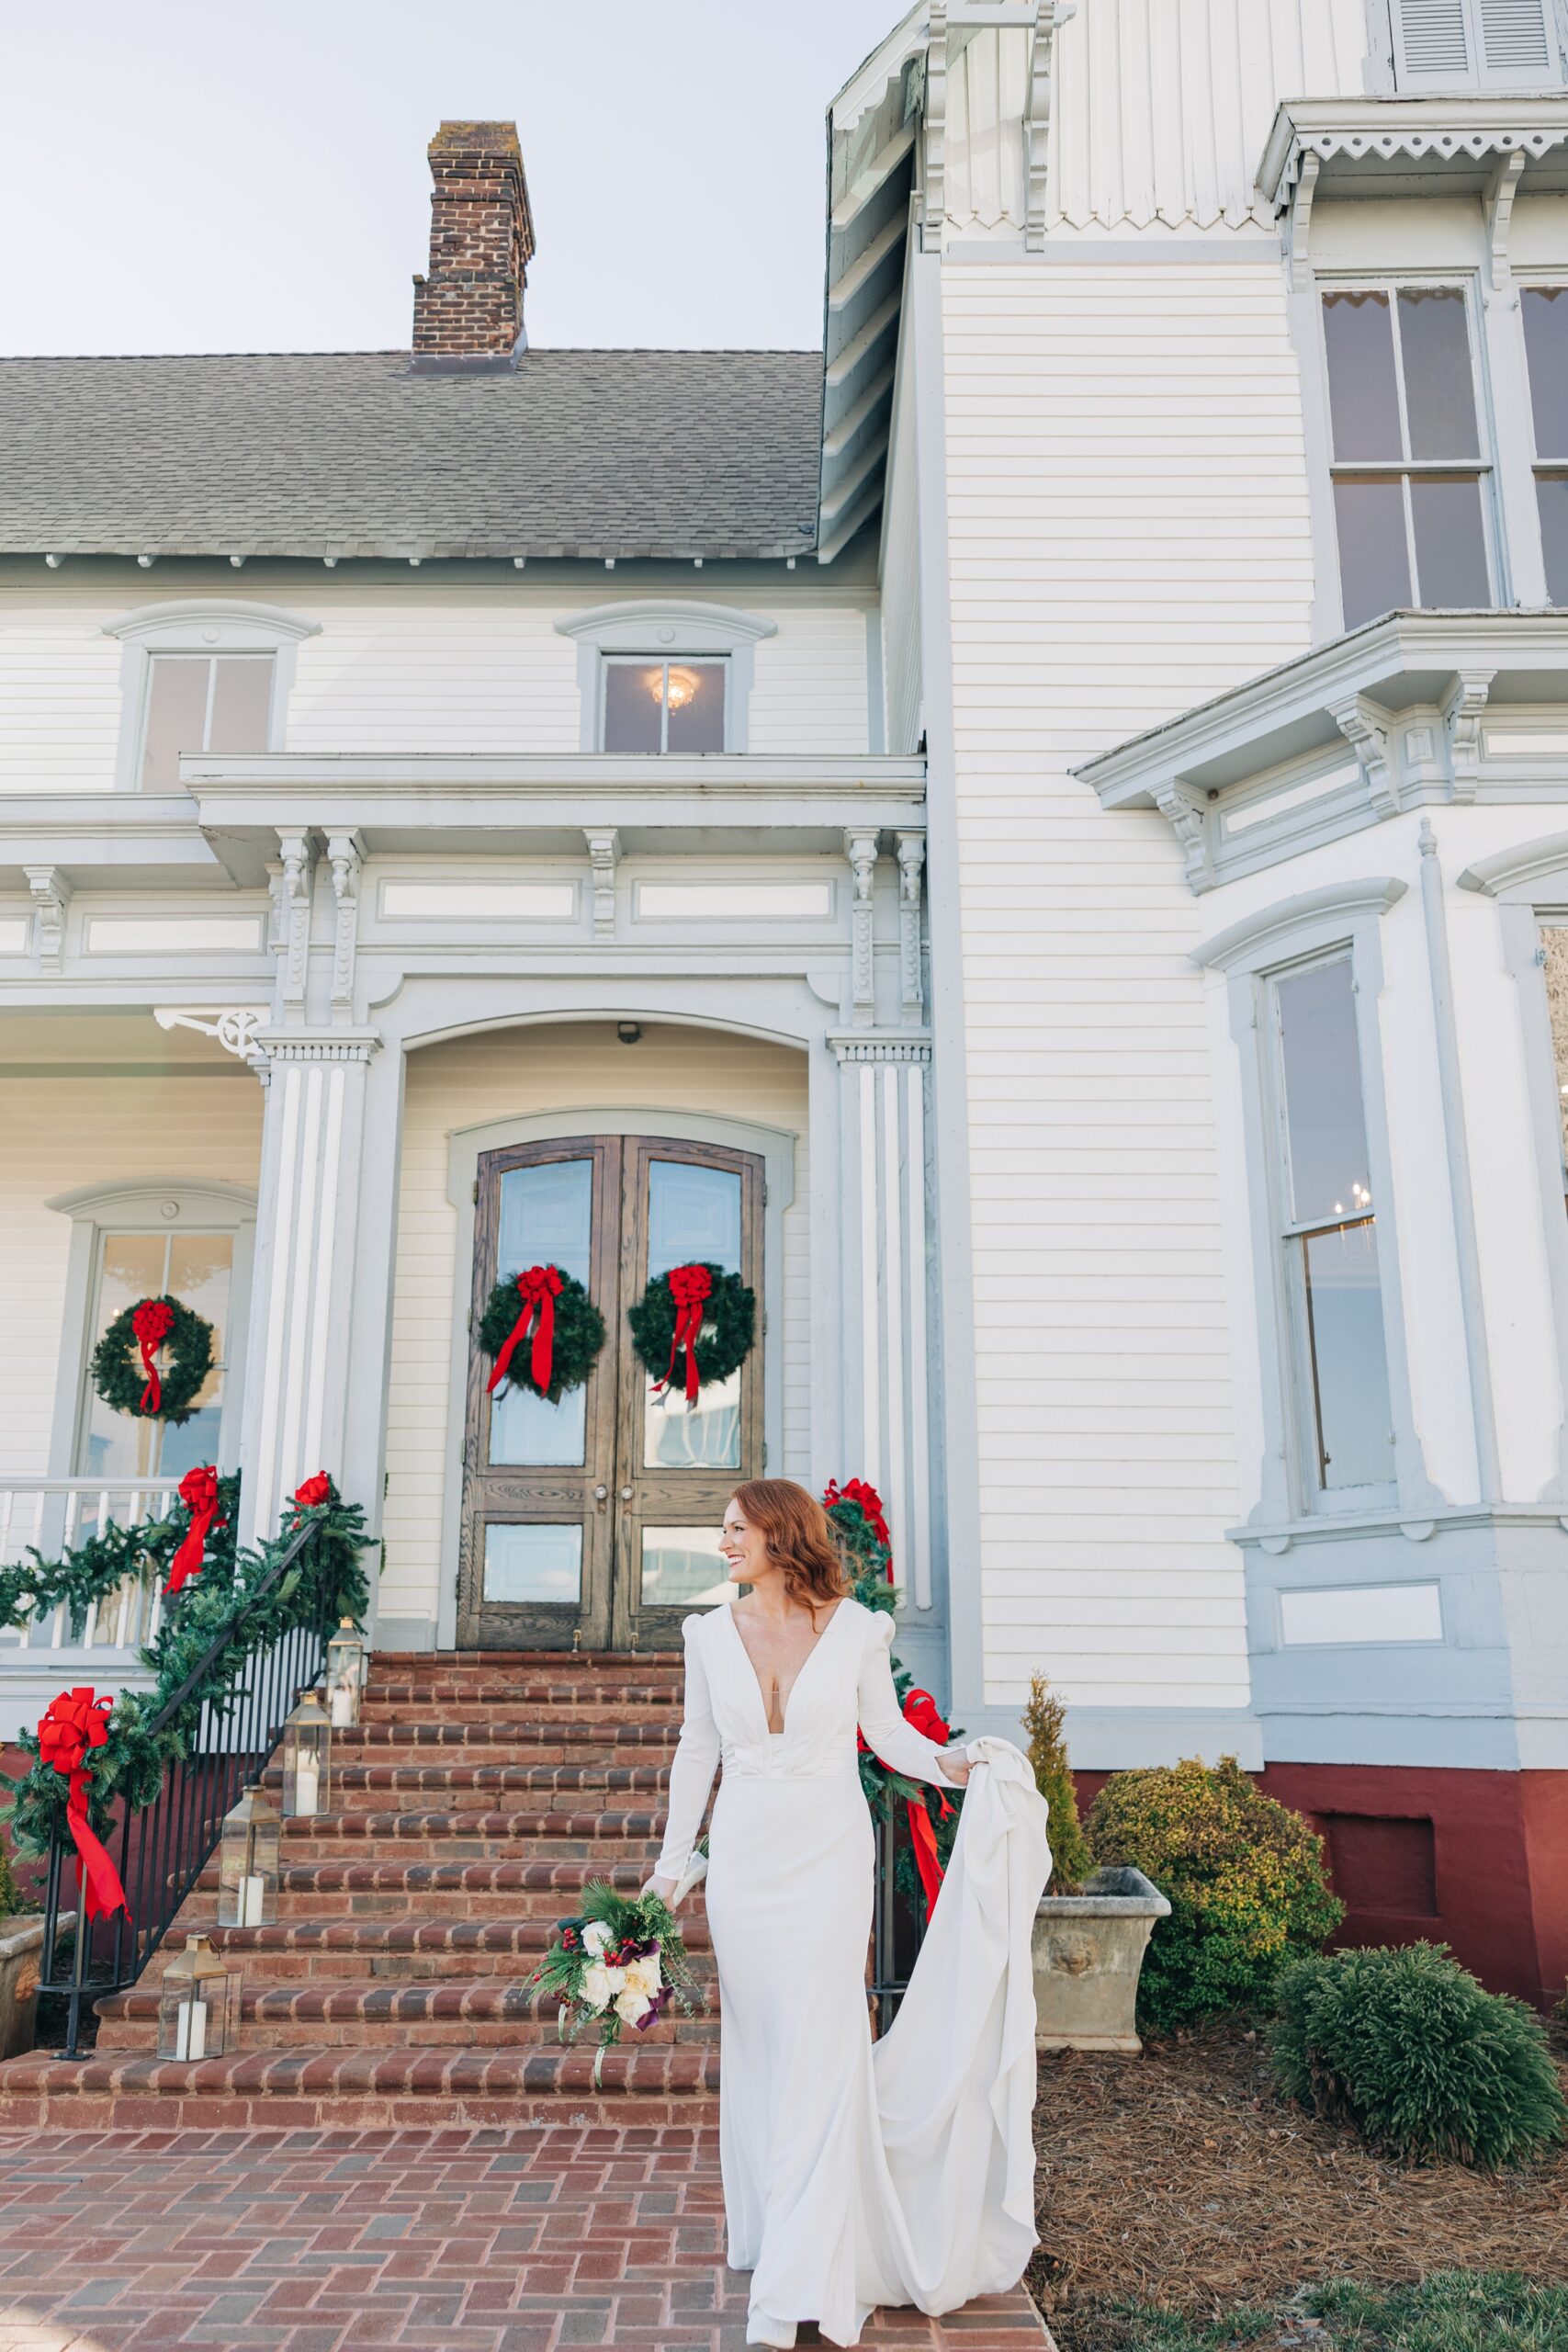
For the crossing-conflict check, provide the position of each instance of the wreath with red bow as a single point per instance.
(152, 1359)
(543, 1331)
(700, 1315)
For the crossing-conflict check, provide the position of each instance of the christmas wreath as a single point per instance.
(699, 1312)
(543, 1331)
(125, 1371)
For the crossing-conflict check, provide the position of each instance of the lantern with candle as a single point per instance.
(247, 1862)
(306, 1755)
(346, 1675)
(198, 2004)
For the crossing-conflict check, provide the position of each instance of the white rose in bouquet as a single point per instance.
(600, 1985)
(631, 2005)
(595, 1937)
(643, 1974)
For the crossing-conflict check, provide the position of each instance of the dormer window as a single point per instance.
(652, 705)
(199, 702)
(1474, 44)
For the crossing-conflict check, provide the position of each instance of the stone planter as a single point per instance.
(1089, 1953)
(21, 1964)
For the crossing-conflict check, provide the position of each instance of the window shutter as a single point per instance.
(1516, 45)
(1429, 39)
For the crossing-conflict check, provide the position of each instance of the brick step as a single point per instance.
(493, 2012)
(472, 1836)
(411, 1787)
(403, 1664)
(524, 1690)
(365, 2089)
(535, 1710)
(406, 1948)
(580, 1742)
(459, 1890)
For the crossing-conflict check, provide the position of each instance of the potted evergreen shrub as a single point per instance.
(1093, 1926)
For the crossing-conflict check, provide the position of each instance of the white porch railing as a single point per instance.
(51, 1514)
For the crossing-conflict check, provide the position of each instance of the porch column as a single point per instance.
(886, 1312)
(299, 1361)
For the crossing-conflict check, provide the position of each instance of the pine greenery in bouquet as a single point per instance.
(620, 1962)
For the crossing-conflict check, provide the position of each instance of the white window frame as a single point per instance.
(208, 626)
(1475, 74)
(666, 662)
(1293, 935)
(1484, 465)
(666, 629)
(99, 1210)
(1553, 468)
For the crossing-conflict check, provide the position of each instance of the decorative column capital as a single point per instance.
(885, 1046)
(279, 1045)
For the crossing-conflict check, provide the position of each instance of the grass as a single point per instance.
(1452, 2311)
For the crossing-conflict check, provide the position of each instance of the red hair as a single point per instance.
(799, 1537)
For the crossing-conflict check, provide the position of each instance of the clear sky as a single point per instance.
(180, 175)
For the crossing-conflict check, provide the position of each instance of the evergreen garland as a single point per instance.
(119, 1376)
(729, 1326)
(226, 1612)
(579, 1336)
(93, 1571)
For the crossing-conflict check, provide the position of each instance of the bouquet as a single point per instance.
(620, 1962)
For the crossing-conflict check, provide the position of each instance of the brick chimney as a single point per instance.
(469, 312)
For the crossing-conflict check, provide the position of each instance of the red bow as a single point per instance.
(198, 1492)
(151, 1321)
(74, 1723)
(857, 1491)
(539, 1289)
(920, 1709)
(313, 1492)
(691, 1287)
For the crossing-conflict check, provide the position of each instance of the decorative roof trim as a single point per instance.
(1446, 129)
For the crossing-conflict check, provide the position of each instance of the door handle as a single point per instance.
(626, 1494)
(601, 1494)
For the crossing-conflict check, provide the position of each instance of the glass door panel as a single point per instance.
(547, 1219)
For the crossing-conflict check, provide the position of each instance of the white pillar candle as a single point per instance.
(341, 1705)
(253, 1895)
(307, 1786)
(190, 2030)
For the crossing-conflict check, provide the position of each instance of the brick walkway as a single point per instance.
(527, 2240)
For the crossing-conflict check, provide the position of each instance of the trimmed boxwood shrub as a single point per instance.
(1044, 1720)
(1245, 1876)
(1407, 2046)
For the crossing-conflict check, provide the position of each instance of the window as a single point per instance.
(213, 702)
(1546, 345)
(213, 676)
(1328, 1235)
(670, 707)
(1482, 44)
(196, 1268)
(1408, 471)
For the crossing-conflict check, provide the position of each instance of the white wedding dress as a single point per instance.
(858, 2175)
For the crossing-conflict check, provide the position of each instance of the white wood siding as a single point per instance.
(525, 1073)
(1129, 535)
(59, 693)
(65, 1131)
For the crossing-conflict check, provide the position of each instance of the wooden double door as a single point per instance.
(595, 1520)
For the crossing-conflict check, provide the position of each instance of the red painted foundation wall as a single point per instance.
(1477, 1861)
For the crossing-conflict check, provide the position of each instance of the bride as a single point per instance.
(854, 2175)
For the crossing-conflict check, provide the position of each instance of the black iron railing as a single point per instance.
(164, 1847)
(897, 1930)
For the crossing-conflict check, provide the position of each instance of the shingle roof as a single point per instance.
(625, 453)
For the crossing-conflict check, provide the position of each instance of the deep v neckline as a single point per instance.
(805, 1661)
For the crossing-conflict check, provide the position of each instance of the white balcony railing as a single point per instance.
(49, 1515)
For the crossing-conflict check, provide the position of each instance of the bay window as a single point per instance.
(1328, 1235)
(1411, 479)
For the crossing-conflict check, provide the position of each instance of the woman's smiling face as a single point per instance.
(744, 1547)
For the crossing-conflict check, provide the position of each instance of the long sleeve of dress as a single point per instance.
(882, 1720)
(695, 1762)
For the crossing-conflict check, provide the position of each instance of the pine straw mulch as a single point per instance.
(1183, 2177)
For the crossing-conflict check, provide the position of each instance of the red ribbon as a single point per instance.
(539, 1289)
(313, 1492)
(198, 1492)
(921, 1710)
(691, 1287)
(74, 1723)
(151, 1321)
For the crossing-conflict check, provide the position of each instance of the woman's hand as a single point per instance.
(663, 1888)
(957, 1768)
